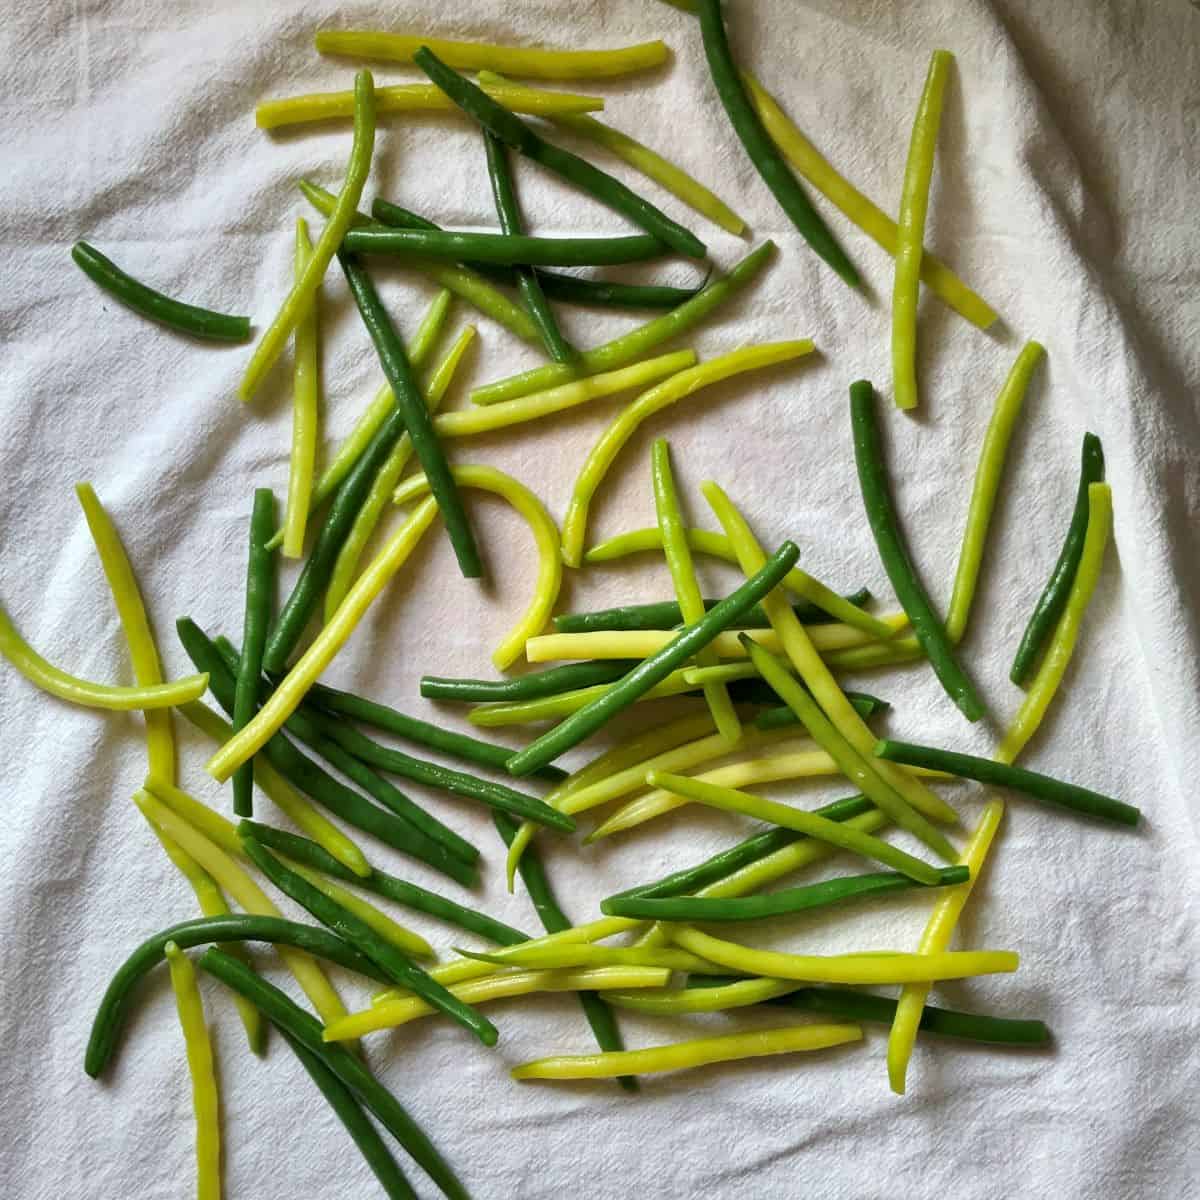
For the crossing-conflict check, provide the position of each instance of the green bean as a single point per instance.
(678, 556)
(186, 318)
(555, 284)
(763, 152)
(665, 614)
(854, 765)
(775, 904)
(505, 249)
(751, 850)
(390, 827)
(464, 283)
(358, 1124)
(536, 684)
(446, 779)
(1053, 599)
(599, 1016)
(304, 726)
(290, 1018)
(652, 670)
(448, 741)
(1019, 779)
(260, 596)
(509, 214)
(635, 344)
(882, 518)
(416, 416)
(394, 962)
(232, 927)
(302, 850)
(514, 132)
(777, 717)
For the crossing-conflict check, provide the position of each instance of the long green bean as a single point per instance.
(548, 682)
(761, 150)
(637, 342)
(1019, 779)
(654, 669)
(514, 132)
(881, 515)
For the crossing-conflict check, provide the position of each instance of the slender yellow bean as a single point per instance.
(213, 904)
(294, 686)
(935, 939)
(545, 535)
(717, 545)
(987, 484)
(880, 968)
(300, 297)
(687, 587)
(584, 954)
(817, 677)
(800, 764)
(811, 824)
(245, 892)
(640, 643)
(386, 478)
(1066, 633)
(686, 383)
(200, 1068)
(135, 624)
(871, 219)
(82, 691)
(471, 421)
(678, 1001)
(391, 1009)
(417, 97)
(910, 231)
(530, 62)
(306, 405)
(697, 1053)
(306, 816)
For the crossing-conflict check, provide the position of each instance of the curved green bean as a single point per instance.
(186, 318)
(1053, 599)
(514, 132)
(881, 515)
(761, 150)
(637, 342)
(654, 669)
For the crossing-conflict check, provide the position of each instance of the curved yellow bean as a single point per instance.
(584, 954)
(748, 358)
(801, 764)
(876, 224)
(935, 939)
(910, 230)
(870, 968)
(294, 686)
(803, 655)
(531, 62)
(417, 97)
(1066, 633)
(470, 421)
(245, 892)
(640, 643)
(306, 404)
(389, 1010)
(678, 1001)
(299, 299)
(92, 695)
(545, 535)
(717, 545)
(388, 476)
(306, 816)
(131, 611)
(200, 1067)
(697, 1053)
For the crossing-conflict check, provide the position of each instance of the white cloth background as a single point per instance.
(1065, 191)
